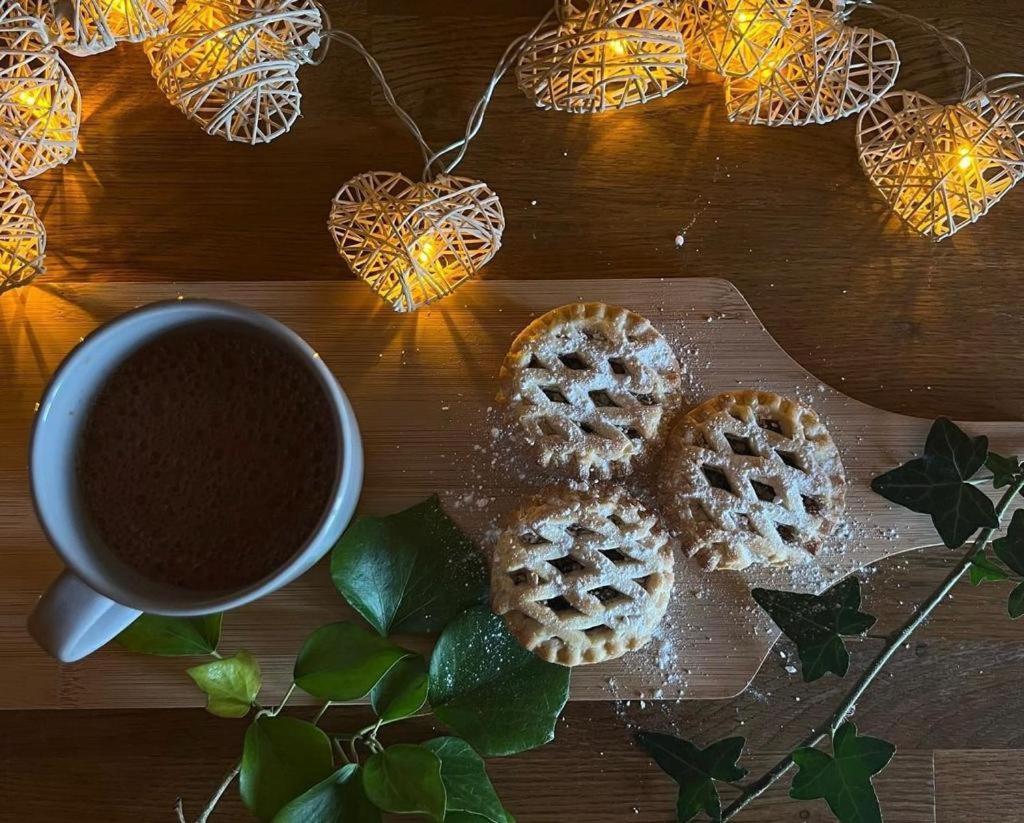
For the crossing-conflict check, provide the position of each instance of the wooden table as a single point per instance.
(787, 215)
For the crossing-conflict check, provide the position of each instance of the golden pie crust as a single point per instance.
(590, 387)
(581, 578)
(751, 478)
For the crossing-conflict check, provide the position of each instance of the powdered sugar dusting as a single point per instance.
(712, 622)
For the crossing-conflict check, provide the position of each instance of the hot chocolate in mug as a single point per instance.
(98, 595)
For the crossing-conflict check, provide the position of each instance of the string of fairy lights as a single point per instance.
(232, 67)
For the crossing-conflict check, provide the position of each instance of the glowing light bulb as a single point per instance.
(966, 158)
(617, 46)
(427, 248)
(118, 9)
(745, 16)
(36, 100)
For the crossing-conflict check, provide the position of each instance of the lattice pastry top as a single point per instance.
(751, 477)
(590, 386)
(582, 578)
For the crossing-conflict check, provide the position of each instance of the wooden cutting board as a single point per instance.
(423, 389)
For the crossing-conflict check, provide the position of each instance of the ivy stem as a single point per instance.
(322, 712)
(287, 696)
(758, 787)
(229, 778)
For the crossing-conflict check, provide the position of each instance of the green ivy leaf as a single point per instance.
(172, 636)
(231, 684)
(695, 770)
(406, 779)
(470, 794)
(402, 691)
(983, 569)
(343, 661)
(818, 623)
(413, 571)
(1004, 469)
(843, 780)
(1010, 550)
(936, 484)
(338, 799)
(490, 690)
(282, 758)
(1010, 547)
(1015, 605)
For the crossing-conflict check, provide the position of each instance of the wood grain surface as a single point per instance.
(891, 320)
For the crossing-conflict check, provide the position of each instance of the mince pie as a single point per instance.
(751, 478)
(582, 578)
(590, 387)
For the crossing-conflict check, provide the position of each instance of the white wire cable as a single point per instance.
(1007, 82)
(476, 118)
(434, 160)
(954, 46)
(431, 158)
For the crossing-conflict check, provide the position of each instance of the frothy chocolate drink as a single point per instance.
(209, 457)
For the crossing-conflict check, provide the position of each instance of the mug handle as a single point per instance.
(71, 620)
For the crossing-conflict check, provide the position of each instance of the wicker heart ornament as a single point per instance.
(821, 70)
(413, 243)
(733, 37)
(941, 167)
(609, 54)
(84, 27)
(22, 238)
(232, 65)
(39, 100)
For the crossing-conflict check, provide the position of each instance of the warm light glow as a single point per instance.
(222, 48)
(733, 37)
(941, 167)
(744, 24)
(38, 100)
(427, 250)
(232, 65)
(22, 238)
(118, 9)
(605, 54)
(413, 243)
(94, 26)
(820, 70)
(616, 46)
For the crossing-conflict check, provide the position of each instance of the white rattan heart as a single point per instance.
(608, 55)
(22, 238)
(39, 100)
(821, 70)
(413, 243)
(232, 65)
(84, 27)
(942, 167)
(733, 37)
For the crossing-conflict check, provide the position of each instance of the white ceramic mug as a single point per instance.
(98, 596)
